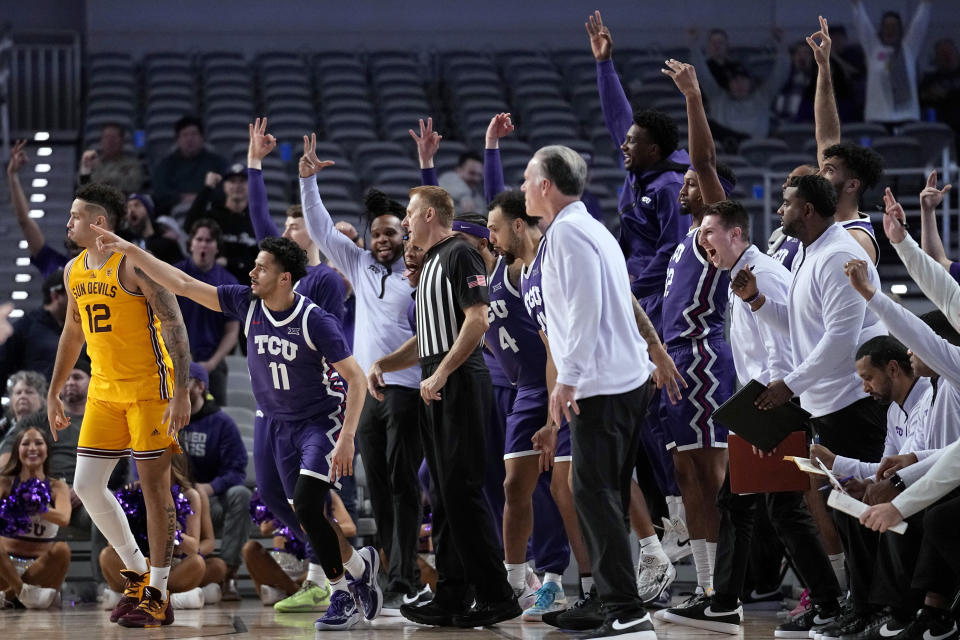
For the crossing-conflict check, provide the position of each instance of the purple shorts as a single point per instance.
(526, 416)
(707, 366)
(564, 451)
(300, 447)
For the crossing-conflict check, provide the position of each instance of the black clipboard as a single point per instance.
(763, 429)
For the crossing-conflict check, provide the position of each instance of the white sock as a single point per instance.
(555, 578)
(90, 484)
(516, 575)
(355, 565)
(158, 579)
(650, 546)
(675, 507)
(837, 561)
(316, 575)
(712, 557)
(340, 584)
(702, 562)
(586, 583)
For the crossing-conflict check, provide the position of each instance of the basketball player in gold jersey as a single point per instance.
(137, 401)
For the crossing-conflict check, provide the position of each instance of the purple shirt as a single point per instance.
(955, 270)
(513, 336)
(694, 295)
(785, 252)
(651, 224)
(412, 313)
(530, 283)
(48, 260)
(205, 327)
(289, 355)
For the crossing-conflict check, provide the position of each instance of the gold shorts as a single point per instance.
(119, 429)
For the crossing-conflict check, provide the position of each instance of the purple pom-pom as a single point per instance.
(27, 499)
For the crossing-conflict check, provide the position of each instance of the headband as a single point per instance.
(471, 228)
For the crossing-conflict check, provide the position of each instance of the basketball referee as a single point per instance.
(452, 303)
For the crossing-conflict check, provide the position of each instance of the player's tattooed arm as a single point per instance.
(647, 331)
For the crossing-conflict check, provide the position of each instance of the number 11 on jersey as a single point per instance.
(280, 378)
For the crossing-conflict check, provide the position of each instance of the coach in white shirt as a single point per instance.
(762, 353)
(826, 322)
(602, 371)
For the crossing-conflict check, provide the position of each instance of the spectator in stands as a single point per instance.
(42, 256)
(180, 176)
(743, 110)
(218, 464)
(465, 183)
(722, 67)
(33, 344)
(32, 564)
(892, 63)
(111, 165)
(238, 242)
(28, 389)
(212, 335)
(795, 102)
(139, 223)
(940, 89)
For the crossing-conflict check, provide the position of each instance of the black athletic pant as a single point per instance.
(793, 525)
(389, 440)
(604, 439)
(895, 566)
(938, 565)
(467, 551)
(857, 431)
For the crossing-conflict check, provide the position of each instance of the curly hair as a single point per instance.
(865, 164)
(377, 204)
(512, 204)
(291, 257)
(31, 379)
(660, 127)
(109, 198)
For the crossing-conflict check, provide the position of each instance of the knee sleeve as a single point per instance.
(90, 483)
(309, 498)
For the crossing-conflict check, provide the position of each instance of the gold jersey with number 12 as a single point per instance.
(128, 360)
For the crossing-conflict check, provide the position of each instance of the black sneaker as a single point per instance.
(393, 600)
(585, 615)
(707, 615)
(799, 627)
(871, 631)
(765, 601)
(625, 627)
(817, 631)
(854, 625)
(930, 624)
(430, 613)
(485, 614)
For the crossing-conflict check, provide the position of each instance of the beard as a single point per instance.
(508, 257)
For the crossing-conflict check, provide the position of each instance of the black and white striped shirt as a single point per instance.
(453, 278)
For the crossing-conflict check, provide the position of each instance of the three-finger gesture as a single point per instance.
(820, 42)
(428, 142)
(18, 157)
(601, 43)
(894, 219)
(310, 164)
(261, 143)
(931, 197)
(500, 126)
(683, 75)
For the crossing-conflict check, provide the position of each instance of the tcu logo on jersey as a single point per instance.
(498, 309)
(276, 347)
(532, 298)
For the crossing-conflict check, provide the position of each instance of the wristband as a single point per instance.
(752, 298)
(897, 483)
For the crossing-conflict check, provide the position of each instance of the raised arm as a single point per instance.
(261, 144)
(344, 254)
(500, 126)
(930, 199)
(865, 30)
(707, 82)
(68, 350)
(703, 151)
(30, 229)
(781, 68)
(917, 31)
(617, 113)
(428, 143)
(163, 275)
(825, 115)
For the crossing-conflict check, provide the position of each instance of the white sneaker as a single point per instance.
(653, 577)
(192, 599)
(211, 593)
(109, 599)
(676, 539)
(271, 595)
(34, 597)
(526, 597)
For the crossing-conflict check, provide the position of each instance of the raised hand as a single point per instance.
(18, 158)
(601, 43)
(88, 161)
(744, 284)
(821, 49)
(212, 179)
(108, 241)
(894, 219)
(261, 143)
(683, 75)
(856, 270)
(310, 164)
(6, 329)
(931, 197)
(500, 126)
(428, 142)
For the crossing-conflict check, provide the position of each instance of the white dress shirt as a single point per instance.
(594, 339)
(934, 281)
(827, 321)
(760, 352)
